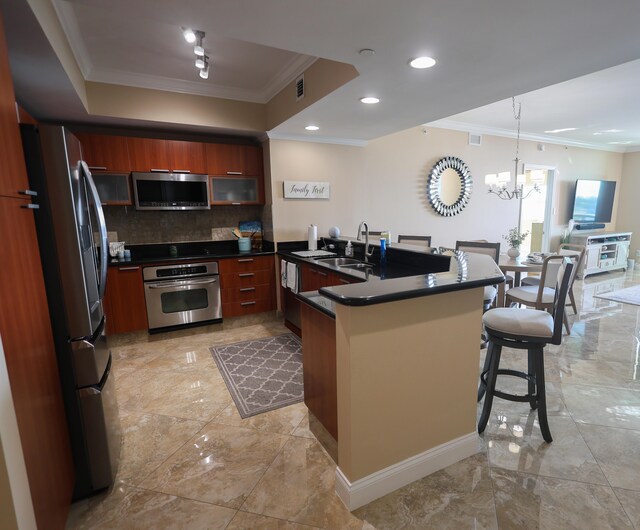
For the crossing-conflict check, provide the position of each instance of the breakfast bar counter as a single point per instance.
(407, 352)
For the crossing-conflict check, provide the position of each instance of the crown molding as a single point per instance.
(317, 139)
(67, 18)
(508, 133)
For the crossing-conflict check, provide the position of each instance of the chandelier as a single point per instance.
(498, 182)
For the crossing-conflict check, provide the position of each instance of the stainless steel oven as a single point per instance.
(179, 295)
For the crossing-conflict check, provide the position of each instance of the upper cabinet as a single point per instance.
(234, 160)
(187, 157)
(13, 173)
(149, 154)
(102, 152)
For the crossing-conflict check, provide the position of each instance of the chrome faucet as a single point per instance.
(367, 254)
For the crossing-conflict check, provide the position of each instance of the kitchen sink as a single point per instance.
(339, 262)
(358, 265)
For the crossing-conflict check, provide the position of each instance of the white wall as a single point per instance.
(384, 183)
(629, 193)
(16, 508)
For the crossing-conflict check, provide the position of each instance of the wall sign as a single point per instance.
(294, 189)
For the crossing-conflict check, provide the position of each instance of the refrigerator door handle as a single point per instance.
(104, 245)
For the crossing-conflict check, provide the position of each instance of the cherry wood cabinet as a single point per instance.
(234, 160)
(248, 285)
(152, 154)
(103, 152)
(25, 328)
(13, 179)
(187, 157)
(319, 366)
(124, 303)
(148, 154)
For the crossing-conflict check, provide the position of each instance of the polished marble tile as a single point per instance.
(182, 359)
(220, 465)
(599, 373)
(532, 502)
(617, 451)
(514, 442)
(251, 521)
(630, 501)
(148, 440)
(459, 496)
(300, 486)
(603, 406)
(175, 393)
(128, 508)
(284, 420)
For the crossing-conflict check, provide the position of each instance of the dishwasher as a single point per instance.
(182, 295)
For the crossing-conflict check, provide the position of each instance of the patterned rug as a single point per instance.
(263, 374)
(630, 295)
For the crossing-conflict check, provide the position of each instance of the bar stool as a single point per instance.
(523, 329)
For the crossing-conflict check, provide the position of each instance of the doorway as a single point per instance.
(535, 210)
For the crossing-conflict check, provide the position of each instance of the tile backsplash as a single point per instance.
(139, 227)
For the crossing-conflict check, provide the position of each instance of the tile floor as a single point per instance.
(189, 460)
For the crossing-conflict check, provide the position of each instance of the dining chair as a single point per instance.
(566, 249)
(489, 249)
(542, 296)
(426, 240)
(524, 329)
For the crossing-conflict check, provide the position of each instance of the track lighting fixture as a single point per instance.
(198, 49)
(204, 71)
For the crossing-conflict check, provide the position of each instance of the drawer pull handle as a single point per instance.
(234, 172)
(31, 206)
(128, 268)
(246, 289)
(235, 204)
(322, 273)
(155, 170)
(246, 260)
(344, 281)
(30, 193)
(246, 275)
(247, 303)
(182, 171)
(98, 168)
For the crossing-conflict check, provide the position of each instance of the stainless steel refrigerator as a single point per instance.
(75, 271)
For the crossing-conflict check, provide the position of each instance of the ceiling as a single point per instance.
(486, 52)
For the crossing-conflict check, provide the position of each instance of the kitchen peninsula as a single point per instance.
(406, 367)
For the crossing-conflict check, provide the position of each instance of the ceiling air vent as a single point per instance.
(300, 88)
(475, 139)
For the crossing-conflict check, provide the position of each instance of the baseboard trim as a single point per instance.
(378, 484)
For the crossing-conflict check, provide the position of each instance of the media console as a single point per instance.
(605, 251)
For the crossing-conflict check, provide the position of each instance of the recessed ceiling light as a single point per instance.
(370, 100)
(312, 127)
(189, 35)
(561, 130)
(422, 62)
(367, 52)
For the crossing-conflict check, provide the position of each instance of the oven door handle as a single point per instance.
(173, 284)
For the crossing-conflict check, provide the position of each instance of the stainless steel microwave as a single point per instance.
(171, 191)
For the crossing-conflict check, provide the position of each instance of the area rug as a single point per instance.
(263, 374)
(630, 295)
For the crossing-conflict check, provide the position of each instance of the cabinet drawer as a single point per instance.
(246, 279)
(242, 294)
(234, 309)
(254, 263)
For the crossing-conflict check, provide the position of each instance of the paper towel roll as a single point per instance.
(312, 235)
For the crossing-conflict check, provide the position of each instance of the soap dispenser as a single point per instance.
(348, 250)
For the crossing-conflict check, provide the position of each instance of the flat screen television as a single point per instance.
(593, 201)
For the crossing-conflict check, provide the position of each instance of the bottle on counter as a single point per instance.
(383, 251)
(348, 250)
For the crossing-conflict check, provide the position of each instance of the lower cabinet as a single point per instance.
(124, 302)
(319, 366)
(248, 285)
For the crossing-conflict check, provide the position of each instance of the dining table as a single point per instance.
(516, 266)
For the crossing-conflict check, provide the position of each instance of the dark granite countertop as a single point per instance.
(406, 274)
(199, 250)
(319, 302)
